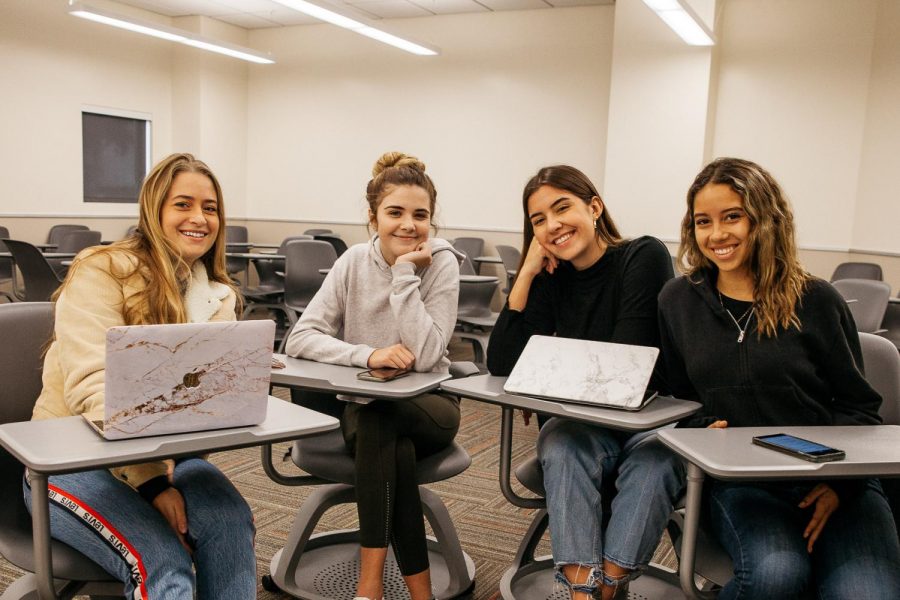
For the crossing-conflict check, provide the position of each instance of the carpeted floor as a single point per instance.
(489, 527)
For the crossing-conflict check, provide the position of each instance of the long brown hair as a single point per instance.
(155, 258)
(778, 277)
(576, 183)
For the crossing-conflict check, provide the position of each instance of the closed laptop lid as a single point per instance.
(186, 377)
(583, 371)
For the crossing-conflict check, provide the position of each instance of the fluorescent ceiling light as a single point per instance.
(682, 20)
(359, 25)
(165, 32)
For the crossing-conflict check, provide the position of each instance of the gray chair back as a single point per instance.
(340, 246)
(30, 324)
(58, 232)
(130, 231)
(857, 270)
(510, 257)
(891, 323)
(471, 247)
(317, 231)
(475, 297)
(867, 299)
(6, 264)
(39, 277)
(302, 279)
(882, 366)
(74, 241)
(237, 234)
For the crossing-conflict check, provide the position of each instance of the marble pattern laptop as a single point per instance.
(163, 379)
(585, 372)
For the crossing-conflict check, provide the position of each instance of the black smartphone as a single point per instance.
(382, 375)
(799, 447)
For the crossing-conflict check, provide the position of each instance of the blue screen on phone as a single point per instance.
(798, 445)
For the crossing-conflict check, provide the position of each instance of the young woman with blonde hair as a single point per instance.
(150, 525)
(760, 342)
(390, 303)
(579, 279)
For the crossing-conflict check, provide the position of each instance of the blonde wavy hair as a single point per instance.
(778, 277)
(156, 259)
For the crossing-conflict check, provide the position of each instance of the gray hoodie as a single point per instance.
(365, 304)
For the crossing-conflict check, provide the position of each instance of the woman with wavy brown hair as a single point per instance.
(166, 529)
(760, 342)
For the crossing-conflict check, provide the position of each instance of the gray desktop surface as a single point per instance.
(489, 388)
(340, 379)
(729, 453)
(68, 444)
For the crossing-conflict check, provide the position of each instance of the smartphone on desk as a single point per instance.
(799, 447)
(382, 375)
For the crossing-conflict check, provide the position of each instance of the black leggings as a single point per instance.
(387, 438)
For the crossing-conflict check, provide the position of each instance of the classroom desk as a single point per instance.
(729, 454)
(476, 278)
(65, 445)
(495, 260)
(527, 579)
(254, 255)
(339, 379)
(45, 255)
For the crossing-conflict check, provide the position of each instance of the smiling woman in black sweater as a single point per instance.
(758, 341)
(580, 279)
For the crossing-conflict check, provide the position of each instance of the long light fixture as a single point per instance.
(358, 25)
(165, 32)
(683, 20)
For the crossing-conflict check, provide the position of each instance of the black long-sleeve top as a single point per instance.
(807, 376)
(614, 300)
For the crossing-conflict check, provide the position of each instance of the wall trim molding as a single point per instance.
(489, 229)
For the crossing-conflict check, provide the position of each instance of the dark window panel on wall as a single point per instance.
(115, 151)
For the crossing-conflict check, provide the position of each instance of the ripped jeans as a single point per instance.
(581, 463)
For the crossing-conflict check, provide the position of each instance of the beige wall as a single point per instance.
(510, 92)
(808, 88)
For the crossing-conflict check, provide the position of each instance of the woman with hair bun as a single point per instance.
(758, 341)
(166, 529)
(390, 303)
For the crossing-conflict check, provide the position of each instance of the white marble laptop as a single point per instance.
(163, 379)
(584, 372)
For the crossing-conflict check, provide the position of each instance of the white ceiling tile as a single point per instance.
(514, 4)
(390, 9)
(247, 20)
(446, 7)
(286, 16)
(564, 3)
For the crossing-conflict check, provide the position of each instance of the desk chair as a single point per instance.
(74, 241)
(58, 232)
(857, 270)
(31, 325)
(39, 277)
(510, 257)
(303, 259)
(474, 318)
(867, 299)
(237, 234)
(340, 246)
(891, 322)
(315, 232)
(325, 565)
(130, 231)
(6, 267)
(471, 247)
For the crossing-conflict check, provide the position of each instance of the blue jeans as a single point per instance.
(581, 462)
(113, 525)
(761, 527)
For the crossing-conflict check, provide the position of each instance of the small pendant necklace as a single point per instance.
(737, 322)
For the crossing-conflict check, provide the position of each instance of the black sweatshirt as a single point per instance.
(614, 300)
(811, 376)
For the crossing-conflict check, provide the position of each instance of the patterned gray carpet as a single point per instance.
(489, 527)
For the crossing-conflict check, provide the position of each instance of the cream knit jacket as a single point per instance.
(74, 367)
